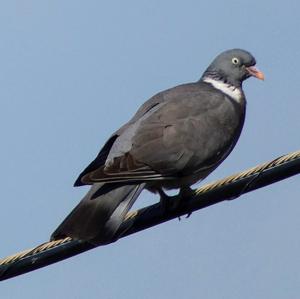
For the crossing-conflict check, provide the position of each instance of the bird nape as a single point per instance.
(175, 139)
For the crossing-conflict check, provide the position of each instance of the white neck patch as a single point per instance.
(232, 91)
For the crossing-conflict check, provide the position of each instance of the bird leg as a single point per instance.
(165, 200)
(185, 194)
(175, 202)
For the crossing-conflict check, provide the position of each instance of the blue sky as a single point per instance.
(71, 72)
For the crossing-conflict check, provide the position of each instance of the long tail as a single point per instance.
(100, 213)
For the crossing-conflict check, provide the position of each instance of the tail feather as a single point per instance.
(100, 213)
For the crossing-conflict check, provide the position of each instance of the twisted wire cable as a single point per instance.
(228, 188)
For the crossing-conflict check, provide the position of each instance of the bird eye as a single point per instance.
(235, 60)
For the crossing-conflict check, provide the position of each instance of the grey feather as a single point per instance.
(99, 214)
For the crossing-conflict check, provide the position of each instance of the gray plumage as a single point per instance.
(175, 139)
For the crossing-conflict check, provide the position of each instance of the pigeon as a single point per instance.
(175, 139)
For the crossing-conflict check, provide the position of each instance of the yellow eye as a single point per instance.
(235, 60)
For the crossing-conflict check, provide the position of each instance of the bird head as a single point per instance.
(233, 67)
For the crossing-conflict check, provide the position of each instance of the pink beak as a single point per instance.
(253, 71)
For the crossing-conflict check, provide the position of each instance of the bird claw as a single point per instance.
(173, 203)
(188, 215)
